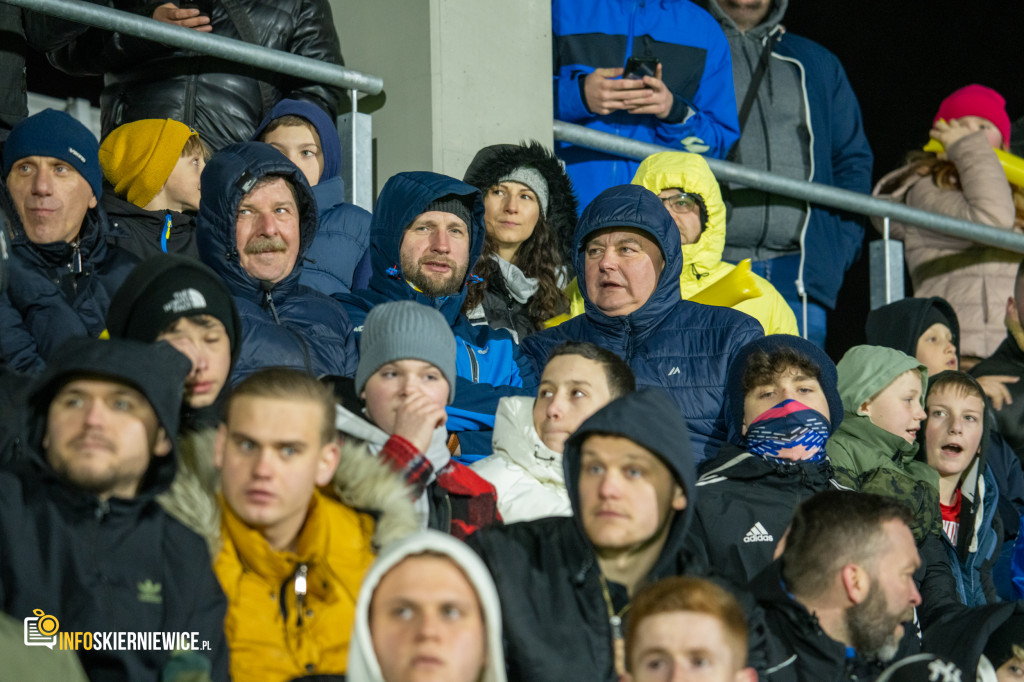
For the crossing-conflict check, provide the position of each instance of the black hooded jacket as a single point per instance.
(555, 616)
(115, 565)
(746, 501)
(139, 231)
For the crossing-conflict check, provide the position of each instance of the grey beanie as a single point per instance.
(532, 178)
(406, 330)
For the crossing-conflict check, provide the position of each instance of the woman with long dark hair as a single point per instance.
(530, 215)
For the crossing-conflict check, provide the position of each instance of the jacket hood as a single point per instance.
(404, 197)
(515, 438)
(230, 175)
(636, 207)
(362, 660)
(651, 419)
(899, 325)
(734, 394)
(157, 371)
(495, 162)
(866, 370)
(330, 143)
(770, 21)
(690, 173)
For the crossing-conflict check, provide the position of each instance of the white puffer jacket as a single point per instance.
(526, 473)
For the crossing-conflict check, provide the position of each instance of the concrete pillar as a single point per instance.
(458, 75)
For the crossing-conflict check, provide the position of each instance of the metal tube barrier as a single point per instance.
(216, 46)
(798, 189)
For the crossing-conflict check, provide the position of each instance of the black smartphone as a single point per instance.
(638, 67)
(205, 7)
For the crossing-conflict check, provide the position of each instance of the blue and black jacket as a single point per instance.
(284, 324)
(488, 362)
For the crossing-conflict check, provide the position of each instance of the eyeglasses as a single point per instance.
(682, 203)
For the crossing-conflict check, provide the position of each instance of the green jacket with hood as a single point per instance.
(870, 459)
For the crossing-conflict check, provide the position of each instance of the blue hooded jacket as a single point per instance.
(682, 346)
(284, 324)
(488, 362)
(344, 233)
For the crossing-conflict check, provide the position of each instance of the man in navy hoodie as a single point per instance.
(255, 226)
(426, 235)
(628, 258)
(307, 136)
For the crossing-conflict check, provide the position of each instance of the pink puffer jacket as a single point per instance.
(975, 279)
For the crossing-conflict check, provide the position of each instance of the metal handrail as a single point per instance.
(213, 45)
(813, 192)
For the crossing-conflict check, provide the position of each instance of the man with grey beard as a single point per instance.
(841, 597)
(254, 227)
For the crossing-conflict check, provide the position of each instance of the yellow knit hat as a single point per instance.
(138, 157)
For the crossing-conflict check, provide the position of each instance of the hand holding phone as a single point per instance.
(638, 67)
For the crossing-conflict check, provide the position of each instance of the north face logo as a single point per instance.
(184, 301)
(758, 533)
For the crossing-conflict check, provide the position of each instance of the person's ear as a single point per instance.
(92, 201)
(163, 445)
(327, 463)
(1011, 309)
(856, 583)
(220, 441)
(746, 675)
(678, 499)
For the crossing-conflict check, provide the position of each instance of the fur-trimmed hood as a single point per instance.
(363, 483)
(493, 163)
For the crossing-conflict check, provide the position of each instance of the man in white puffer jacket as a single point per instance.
(529, 433)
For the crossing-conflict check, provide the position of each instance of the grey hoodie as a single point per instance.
(762, 225)
(362, 660)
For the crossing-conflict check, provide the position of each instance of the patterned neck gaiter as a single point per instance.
(789, 432)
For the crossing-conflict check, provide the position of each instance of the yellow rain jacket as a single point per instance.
(275, 634)
(702, 261)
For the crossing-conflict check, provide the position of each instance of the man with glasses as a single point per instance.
(689, 191)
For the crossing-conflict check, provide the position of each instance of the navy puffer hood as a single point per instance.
(230, 175)
(404, 197)
(649, 418)
(632, 206)
(330, 143)
(734, 380)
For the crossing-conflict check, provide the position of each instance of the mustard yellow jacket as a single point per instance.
(702, 260)
(274, 635)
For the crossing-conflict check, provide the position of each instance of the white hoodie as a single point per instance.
(362, 661)
(526, 474)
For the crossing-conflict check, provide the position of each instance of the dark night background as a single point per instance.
(902, 58)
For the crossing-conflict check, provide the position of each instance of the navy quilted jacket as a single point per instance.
(285, 324)
(681, 346)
